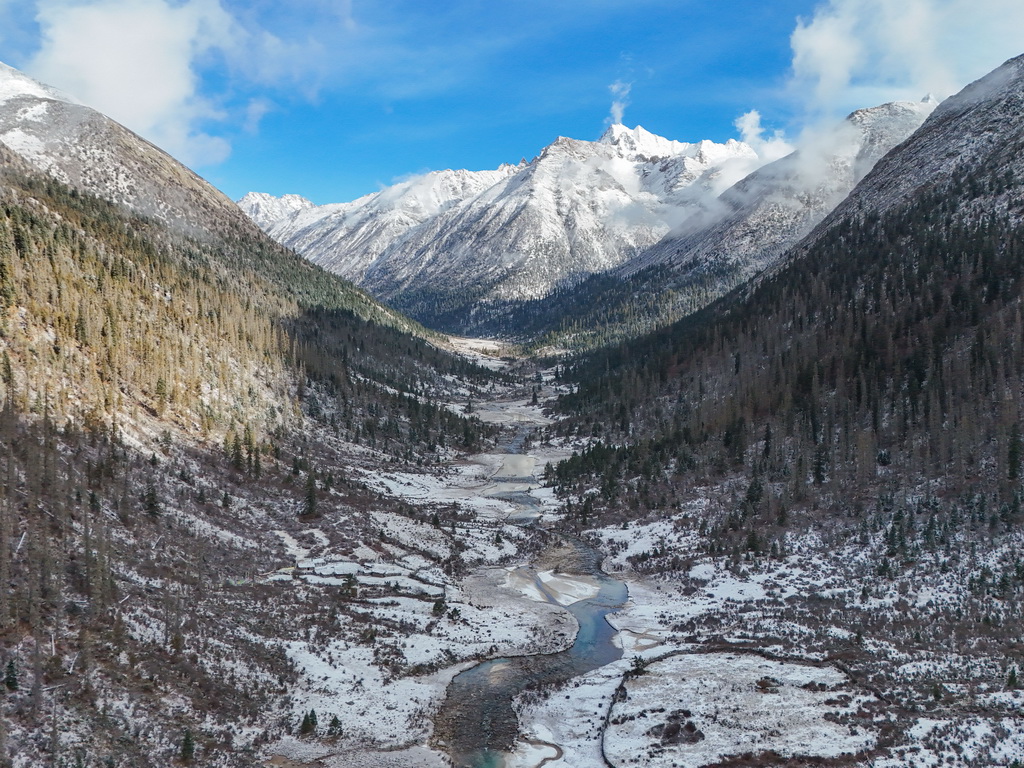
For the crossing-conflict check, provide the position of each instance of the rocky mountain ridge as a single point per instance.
(87, 150)
(753, 222)
(486, 256)
(516, 233)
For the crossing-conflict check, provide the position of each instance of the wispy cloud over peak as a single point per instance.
(620, 100)
(855, 53)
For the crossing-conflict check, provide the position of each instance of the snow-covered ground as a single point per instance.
(487, 353)
(725, 672)
(385, 692)
(696, 709)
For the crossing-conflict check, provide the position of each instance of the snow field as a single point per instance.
(730, 704)
(378, 710)
(571, 717)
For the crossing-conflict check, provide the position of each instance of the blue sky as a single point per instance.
(333, 98)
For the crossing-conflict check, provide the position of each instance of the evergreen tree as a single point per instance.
(188, 747)
(151, 501)
(237, 457)
(308, 725)
(309, 504)
(334, 729)
(11, 676)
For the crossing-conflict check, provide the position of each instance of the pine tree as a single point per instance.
(161, 393)
(310, 503)
(237, 457)
(151, 501)
(11, 676)
(308, 725)
(334, 729)
(188, 747)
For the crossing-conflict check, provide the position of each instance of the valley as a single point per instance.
(713, 659)
(739, 481)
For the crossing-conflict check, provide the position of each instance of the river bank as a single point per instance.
(515, 599)
(719, 657)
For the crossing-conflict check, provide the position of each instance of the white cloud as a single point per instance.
(146, 63)
(620, 100)
(254, 113)
(752, 134)
(857, 53)
(133, 60)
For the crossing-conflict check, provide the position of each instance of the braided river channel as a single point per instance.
(477, 724)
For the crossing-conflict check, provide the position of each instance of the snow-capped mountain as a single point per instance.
(973, 140)
(752, 223)
(83, 148)
(347, 238)
(265, 209)
(441, 244)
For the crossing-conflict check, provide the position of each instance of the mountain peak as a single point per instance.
(616, 131)
(640, 144)
(265, 209)
(15, 84)
(640, 141)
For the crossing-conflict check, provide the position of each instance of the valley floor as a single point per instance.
(764, 661)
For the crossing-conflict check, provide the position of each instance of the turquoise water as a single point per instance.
(477, 713)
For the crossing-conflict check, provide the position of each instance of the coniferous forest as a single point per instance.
(249, 515)
(158, 389)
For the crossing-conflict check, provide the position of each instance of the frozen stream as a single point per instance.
(476, 722)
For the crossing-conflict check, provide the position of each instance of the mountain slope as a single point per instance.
(757, 219)
(516, 233)
(93, 154)
(164, 419)
(978, 128)
(855, 411)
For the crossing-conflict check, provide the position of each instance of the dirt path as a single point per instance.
(651, 641)
(559, 752)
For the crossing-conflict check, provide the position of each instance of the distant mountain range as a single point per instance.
(454, 241)
(477, 251)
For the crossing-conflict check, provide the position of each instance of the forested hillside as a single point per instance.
(892, 343)
(166, 403)
(855, 413)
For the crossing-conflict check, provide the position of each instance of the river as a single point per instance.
(476, 723)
